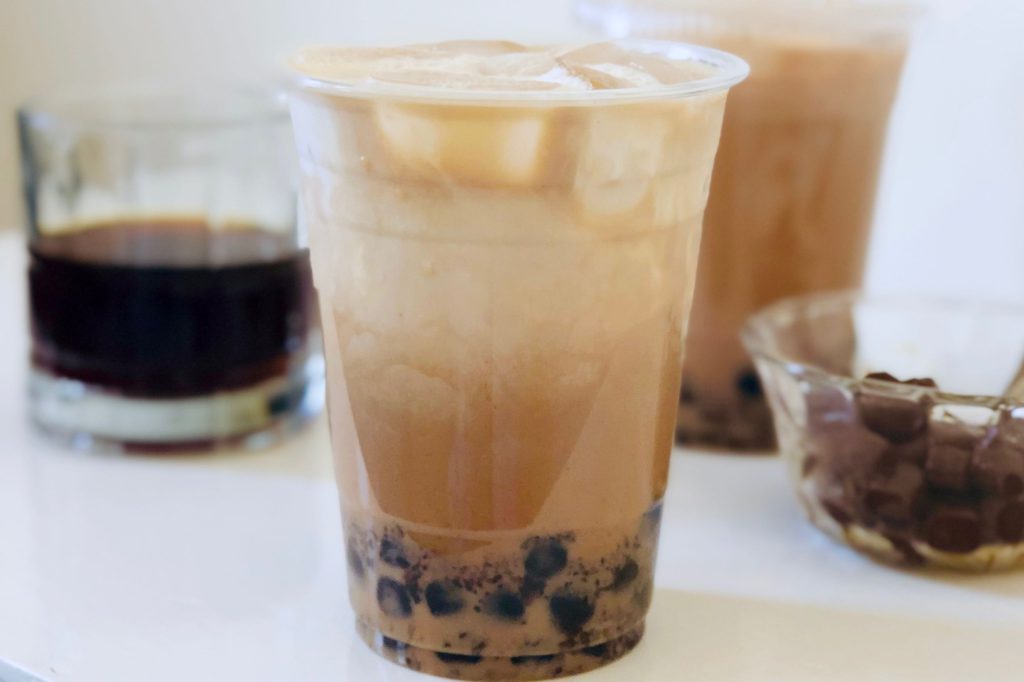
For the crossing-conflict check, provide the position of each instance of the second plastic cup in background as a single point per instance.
(793, 194)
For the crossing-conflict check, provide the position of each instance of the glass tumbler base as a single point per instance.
(94, 418)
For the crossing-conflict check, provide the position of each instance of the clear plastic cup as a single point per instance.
(504, 280)
(794, 187)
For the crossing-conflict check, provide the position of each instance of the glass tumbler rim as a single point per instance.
(151, 107)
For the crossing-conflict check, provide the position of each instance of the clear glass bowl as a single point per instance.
(924, 471)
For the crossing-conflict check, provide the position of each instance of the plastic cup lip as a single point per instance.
(729, 70)
(624, 18)
(145, 107)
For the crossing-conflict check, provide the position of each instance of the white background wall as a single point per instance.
(951, 217)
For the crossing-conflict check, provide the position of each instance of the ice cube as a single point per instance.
(467, 145)
(607, 65)
(596, 53)
(594, 78)
(586, 63)
(621, 154)
(648, 162)
(667, 71)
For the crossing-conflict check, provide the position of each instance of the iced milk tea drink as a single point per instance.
(504, 242)
(793, 195)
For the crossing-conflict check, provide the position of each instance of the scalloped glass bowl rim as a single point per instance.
(759, 328)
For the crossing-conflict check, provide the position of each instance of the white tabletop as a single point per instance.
(230, 567)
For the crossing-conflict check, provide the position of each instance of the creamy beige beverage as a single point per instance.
(504, 241)
(794, 187)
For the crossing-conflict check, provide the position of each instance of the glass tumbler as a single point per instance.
(170, 289)
(504, 280)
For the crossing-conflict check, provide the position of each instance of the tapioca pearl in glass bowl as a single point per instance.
(892, 417)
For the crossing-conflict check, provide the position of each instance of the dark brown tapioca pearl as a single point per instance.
(1002, 521)
(504, 605)
(914, 452)
(885, 376)
(748, 383)
(897, 419)
(950, 450)
(923, 383)
(948, 467)
(953, 529)
(393, 598)
(958, 434)
(570, 612)
(546, 559)
(392, 554)
(1010, 523)
(624, 576)
(896, 499)
(848, 450)
(458, 659)
(886, 465)
(532, 660)
(596, 651)
(997, 467)
(354, 561)
(444, 599)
